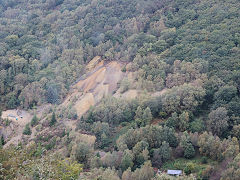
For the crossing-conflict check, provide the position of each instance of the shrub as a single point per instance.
(189, 168)
(51, 144)
(204, 160)
(125, 85)
(205, 174)
(124, 69)
(178, 152)
(67, 169)
(7, 122)
(163, 114)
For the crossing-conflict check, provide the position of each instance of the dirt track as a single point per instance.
(18, 123)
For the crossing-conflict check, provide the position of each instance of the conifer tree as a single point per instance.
(53, 119)
(34, 120)
(27, 130)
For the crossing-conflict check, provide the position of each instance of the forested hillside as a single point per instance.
(180, 58)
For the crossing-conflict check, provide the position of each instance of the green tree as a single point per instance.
(27, 130)
(187, 146)
(143, 117)
(144, 173)
(53, 119)
(68, 169)
(99, 128)
(127, 175)
(156, 158)
(140, 153)
(83, 152)
(104, 140)
(232, 171)
(189, 151)
(232, 148)
(236, 131)
(183, 98)
(197, 125)
(34, 120)
(218, 121)
(109, 174)
(168, 135)
(138, 116)
(183, 121)
(172, 121)
(210, 146)
(127, 160)
(2, 142)
(225, 93)
(147, 116)
(165, 151)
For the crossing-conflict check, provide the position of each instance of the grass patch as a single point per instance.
(196, 165)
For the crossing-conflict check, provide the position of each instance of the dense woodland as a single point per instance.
(190, 47)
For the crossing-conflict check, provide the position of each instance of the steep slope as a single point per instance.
(101, 81)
